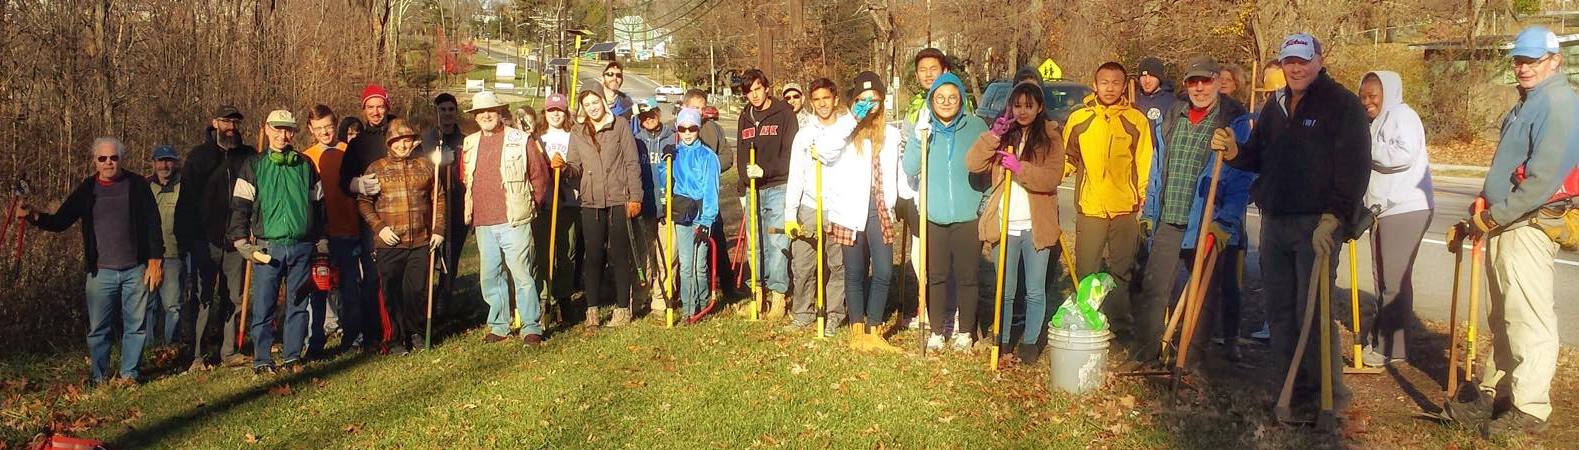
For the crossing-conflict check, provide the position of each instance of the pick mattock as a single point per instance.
(1354, 305)
(433, 255)
(668, 214)
(1477, 250)
(822, 288)
(1003, 251)
(1201, 240)
(1192, 310)
(246, 298)
(1282, 411)
(1327, 419)
(921, 274)
(553, 240)
(753, 234)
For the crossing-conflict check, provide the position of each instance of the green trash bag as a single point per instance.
(1083, 310)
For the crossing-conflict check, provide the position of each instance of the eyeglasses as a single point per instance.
(690, 129)
(115, 158)
(614, 74)
(1520, 61)
(792, 97)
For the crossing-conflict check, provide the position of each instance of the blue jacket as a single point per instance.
(1233, 185)
(1538, 134)
(695, 177)
(953, 193)
(649, 153)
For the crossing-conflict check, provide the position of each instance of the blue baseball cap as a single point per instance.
(165, 152)
(1535, 43)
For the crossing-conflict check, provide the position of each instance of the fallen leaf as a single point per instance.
(352, 429)
(948, 419)
(797, 368)
(1127, 401)
(469, 406)
(282, 390)
(251, 439)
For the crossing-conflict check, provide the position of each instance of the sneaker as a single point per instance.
(935, 343)
(292, 367)
(830, 331)
(1028, 353)
(1475, 410)
(1371, 358)
(264, 370)
(1263, 334)
(914, 323)
(236, 361)
(795, 327)
(621, 317)
(532, 340)
(417, 342)
(1512, 424)
(962, 342)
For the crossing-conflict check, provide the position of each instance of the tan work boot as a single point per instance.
(592, 317)
(858, 336)
(875, 342)
(776, 306)
(743, 309)
(621, 317)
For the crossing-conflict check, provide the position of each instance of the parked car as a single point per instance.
(670, 90)
(1060, 98)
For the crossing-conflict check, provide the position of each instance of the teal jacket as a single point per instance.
(1537, 134)
(953, 193)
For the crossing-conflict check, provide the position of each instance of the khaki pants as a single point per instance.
(1519, 265)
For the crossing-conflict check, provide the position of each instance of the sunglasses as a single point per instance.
(792, 97)
(115, 158)
(690, 129)
(614, 74)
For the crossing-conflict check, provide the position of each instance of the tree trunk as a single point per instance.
(101, 48)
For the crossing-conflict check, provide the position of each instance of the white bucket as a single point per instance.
(1078, 358)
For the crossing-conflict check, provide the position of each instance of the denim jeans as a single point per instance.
(289, 264)
(108, 291)
(164, 306)
(345, 255)
(774, 258)
(868, 295)
(694, 263)
(1023, 255)
(508, 247)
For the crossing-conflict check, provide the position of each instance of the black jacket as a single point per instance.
(203, 210)
(1315, 162)
(79, 205)
(771, 134)
(368, 146)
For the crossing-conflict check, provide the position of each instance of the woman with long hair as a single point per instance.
(552, 131)
(602, 162)
(1025, 144)
(865, 181)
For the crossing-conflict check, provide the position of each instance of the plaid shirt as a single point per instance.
(1189, 149)
(845, 236)
(404, 204)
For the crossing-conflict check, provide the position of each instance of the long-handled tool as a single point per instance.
(921, 275)
(668, 205)
(822, 288)
(1452, 330)
(712, 276)
(246, 300)
(1193, 306)
(1326, 419)
(1475, 265)
(553, 240)
(19, 191)
(1473, 315)
(1003, 251)
(753, 233)
(1201, 251)
(1354, 305)
(433, 255)
(1283, 411)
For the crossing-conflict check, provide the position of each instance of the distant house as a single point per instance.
(1455, 54)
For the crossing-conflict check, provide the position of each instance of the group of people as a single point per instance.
(832, 192)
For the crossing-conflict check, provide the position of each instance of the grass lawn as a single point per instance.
(725, 383)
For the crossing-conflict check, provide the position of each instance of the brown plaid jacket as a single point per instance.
(404, 202)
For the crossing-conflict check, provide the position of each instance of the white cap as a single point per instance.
(1300, 45)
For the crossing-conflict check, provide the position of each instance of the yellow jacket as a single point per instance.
(1110, 150)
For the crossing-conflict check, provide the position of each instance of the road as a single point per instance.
(1433, 274)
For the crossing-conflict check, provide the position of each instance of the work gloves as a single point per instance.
(1219, 235)
(668, 152)
(1009, 162)
(753, 171)
(434, 241)
(632, 209)
(792, 228)
(388, 236)
(1146, 226)
(1002, 125)
(366, 185)
(1321, 240)
(863, 107)
(321, 247)
(1456, 235)
(558, 162)
(251, 252)
(1224, 142)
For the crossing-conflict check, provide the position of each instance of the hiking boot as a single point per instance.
(592, 317)
(1028, 353)
(621, 317)
(858, 336)
(236, 361)
(292, 367)
(492, 338)
(532, 340)
(1477, 409)
(264, 371)
(795, 326)
(935, 343)
(875, 341)
(1513, 424)
(963, 342)
(776, 306)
